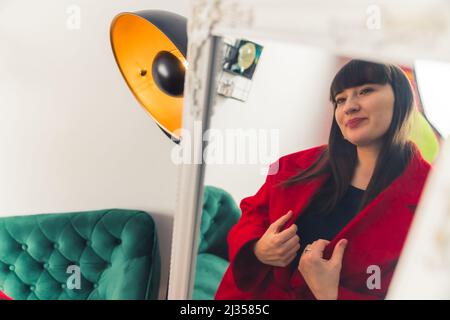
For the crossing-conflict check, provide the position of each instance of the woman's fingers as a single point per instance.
(287, 259)
(278, 224)
(288, 249)
(287, 234)
(293, 250)
(318, 247)
(291, 243)
(338, 252)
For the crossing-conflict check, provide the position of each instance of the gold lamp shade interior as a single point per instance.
(136, 42)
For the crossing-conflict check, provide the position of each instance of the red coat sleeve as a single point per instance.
(4, 296)
(247, 270)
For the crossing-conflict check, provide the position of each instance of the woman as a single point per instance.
(330, 222)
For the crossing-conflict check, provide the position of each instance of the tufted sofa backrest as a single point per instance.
(220, 214)
(114, 252)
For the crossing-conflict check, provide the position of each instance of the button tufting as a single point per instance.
(12, 268)
(24, 247)
(32, 288)
(88, 243)
(63, 286)
(95, 285)
(56, 246)
(45, 265)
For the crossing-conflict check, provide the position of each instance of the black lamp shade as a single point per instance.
(150, 49)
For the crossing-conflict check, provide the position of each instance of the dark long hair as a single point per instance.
(339, 157)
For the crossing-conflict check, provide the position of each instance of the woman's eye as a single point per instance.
(366, 90)
(340, 101)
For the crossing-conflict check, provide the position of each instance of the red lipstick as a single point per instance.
(355, 122)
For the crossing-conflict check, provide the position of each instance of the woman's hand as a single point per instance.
(277, 248)
(322, 276)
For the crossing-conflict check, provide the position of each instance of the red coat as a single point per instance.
(375, 236)
(4, 296)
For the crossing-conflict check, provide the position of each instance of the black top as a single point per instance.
(313, 226)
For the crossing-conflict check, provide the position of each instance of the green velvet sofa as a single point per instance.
(220, 213)
(105, 254)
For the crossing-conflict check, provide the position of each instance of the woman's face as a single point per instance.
(364, 113)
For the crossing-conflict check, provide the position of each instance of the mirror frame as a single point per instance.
(380, 30)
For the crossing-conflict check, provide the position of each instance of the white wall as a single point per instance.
(72, 136)
(290, 94)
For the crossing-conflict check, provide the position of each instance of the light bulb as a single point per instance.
(247, 55)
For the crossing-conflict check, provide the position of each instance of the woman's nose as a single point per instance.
(352, 109)
(351, 106)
